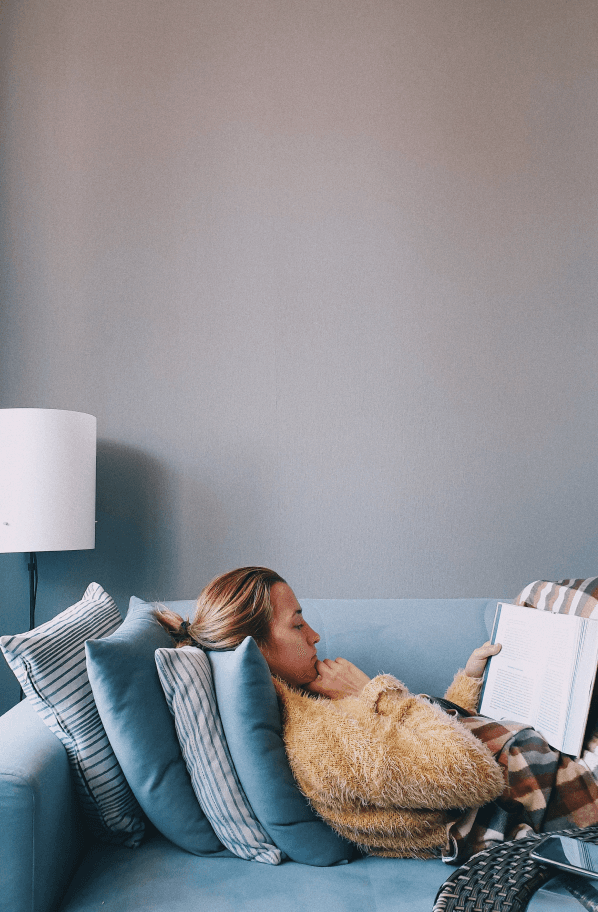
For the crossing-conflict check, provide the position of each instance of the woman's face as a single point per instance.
(290, 649)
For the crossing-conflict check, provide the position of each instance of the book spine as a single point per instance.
(492, 640)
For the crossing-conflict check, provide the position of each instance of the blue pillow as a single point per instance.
(250, 715)
(133, 709)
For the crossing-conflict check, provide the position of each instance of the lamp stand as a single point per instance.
(32, 567)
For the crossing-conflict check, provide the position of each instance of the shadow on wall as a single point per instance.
(135, 528)
(133, 554)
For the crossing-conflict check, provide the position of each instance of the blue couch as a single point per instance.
(49, 863)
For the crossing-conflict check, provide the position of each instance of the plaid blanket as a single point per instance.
(568, 596)
(545, 790)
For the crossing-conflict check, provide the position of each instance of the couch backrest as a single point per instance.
(421, 641)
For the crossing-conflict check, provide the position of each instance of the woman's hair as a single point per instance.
(230, 608)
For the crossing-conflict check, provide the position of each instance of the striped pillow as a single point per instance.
(49, 662)
(186, 678)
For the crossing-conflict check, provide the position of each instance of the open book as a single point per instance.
(544, 675)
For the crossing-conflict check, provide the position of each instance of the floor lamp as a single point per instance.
(47, 484)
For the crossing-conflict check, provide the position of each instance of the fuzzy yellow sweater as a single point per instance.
(387, 769)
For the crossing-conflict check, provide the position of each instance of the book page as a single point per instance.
(529, 680)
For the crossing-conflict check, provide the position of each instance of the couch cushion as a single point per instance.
(250, 716)
(49, 662)
(186, 679)
(131, 703)
(161, 878)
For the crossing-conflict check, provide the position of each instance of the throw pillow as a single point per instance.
(250, 715)
(186, 679)
(49, 662)
(133, 708)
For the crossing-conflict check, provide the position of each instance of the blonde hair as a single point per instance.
(230, 608)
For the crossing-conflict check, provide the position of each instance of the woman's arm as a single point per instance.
(340, 678)
(385, 748)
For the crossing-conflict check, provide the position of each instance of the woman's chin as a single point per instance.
(301, 678)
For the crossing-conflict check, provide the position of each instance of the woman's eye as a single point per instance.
(299, 626)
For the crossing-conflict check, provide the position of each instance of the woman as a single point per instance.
(385, 768)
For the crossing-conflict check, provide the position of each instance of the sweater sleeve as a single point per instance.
(465, 691)
(432, 760)
(385, 748)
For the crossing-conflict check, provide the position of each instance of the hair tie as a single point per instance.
(183, 633)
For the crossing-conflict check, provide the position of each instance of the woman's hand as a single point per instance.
(476, 663)
(337, 679)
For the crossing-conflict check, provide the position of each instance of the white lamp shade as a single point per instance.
(47, 480)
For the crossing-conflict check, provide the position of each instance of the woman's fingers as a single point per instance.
(491, 648)
(476, 664)
(338, 678)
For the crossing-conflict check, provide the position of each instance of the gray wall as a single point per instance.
(325, 273)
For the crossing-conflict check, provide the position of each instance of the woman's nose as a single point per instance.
(315, 637)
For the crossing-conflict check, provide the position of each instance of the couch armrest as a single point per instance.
(40, 833)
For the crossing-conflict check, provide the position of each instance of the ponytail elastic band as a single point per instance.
(183, 633)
